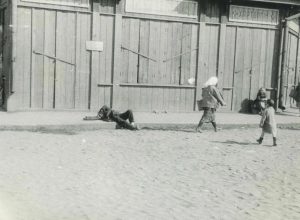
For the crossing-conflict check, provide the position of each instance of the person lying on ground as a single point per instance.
(123, 120)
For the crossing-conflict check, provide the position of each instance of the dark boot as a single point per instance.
(259, 140)
(274, 141)
(198, 129)
(215, 126)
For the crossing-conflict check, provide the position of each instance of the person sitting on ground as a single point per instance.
(211, 98)
(259, 104)
(268, 123)
(296, 96)
(107, 114)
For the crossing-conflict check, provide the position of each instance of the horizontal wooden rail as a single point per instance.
(49, 2)
(253, 26)
(227, 88)
(104, 84)
(161, 19)
(156, 85)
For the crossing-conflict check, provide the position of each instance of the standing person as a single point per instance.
(268, 123)
(211, 98)
(107, 114)
(296, 96)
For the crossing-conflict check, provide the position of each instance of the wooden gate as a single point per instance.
(291, 77)
(249, 63)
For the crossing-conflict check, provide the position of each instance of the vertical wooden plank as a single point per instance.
(65, 74)
(144, 49)
(239, 68)
(263, 58)
(95, 100)
(200, 62)
(22, 75)
(125, 53)
(37, 78)
(82, 57)
(186, 54)
(169, 53)
(49, 63)
(163, 52)
(153, 51)
(117, 62)
(134, 46)
(221, 55)
(227, 81)
(256, 59)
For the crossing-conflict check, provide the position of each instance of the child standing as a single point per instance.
(268, 123)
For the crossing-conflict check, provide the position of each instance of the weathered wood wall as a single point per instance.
(292, 69)
(146, 62)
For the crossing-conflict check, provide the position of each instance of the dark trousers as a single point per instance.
(121, 119)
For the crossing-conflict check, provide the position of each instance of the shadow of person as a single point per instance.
(230, 142)
(246, 106)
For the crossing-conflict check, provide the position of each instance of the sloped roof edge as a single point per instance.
(286, 2)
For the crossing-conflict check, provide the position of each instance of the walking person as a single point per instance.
(123, 120)
(268, 123)
(211, 99)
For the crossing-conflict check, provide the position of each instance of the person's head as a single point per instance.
(270, 103)
(212, 81)
(102, 111)
(262, 90)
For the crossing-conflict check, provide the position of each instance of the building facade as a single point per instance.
(145, 55)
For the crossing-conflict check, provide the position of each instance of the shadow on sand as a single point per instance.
(228, 142)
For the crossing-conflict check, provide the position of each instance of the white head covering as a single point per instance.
(212, 81)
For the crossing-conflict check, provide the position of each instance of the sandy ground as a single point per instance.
(119, 174)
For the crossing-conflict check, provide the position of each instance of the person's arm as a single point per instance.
(216, 93)
(263, 119)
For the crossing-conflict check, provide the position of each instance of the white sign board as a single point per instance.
(94, 45)
(178, 8)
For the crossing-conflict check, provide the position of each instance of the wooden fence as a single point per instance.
(146, 62)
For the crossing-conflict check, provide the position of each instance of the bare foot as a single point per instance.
(198, 130)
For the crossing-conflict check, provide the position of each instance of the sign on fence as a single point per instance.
(180, 8)
(253, 15)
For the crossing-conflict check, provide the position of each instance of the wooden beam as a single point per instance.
(200, 63)
(117, 59)
(286, 2)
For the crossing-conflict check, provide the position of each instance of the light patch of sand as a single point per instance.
(119, 174)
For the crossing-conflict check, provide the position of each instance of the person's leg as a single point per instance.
(127, 115)
(124, 123)
(214, 125)
(261, 137)
(213, 119)
(201, 122)
(274, 134)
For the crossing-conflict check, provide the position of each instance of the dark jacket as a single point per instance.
(211, 98)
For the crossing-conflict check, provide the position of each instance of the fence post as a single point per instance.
(200, 63)
(117, 59)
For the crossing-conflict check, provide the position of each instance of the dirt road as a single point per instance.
(118, 174)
